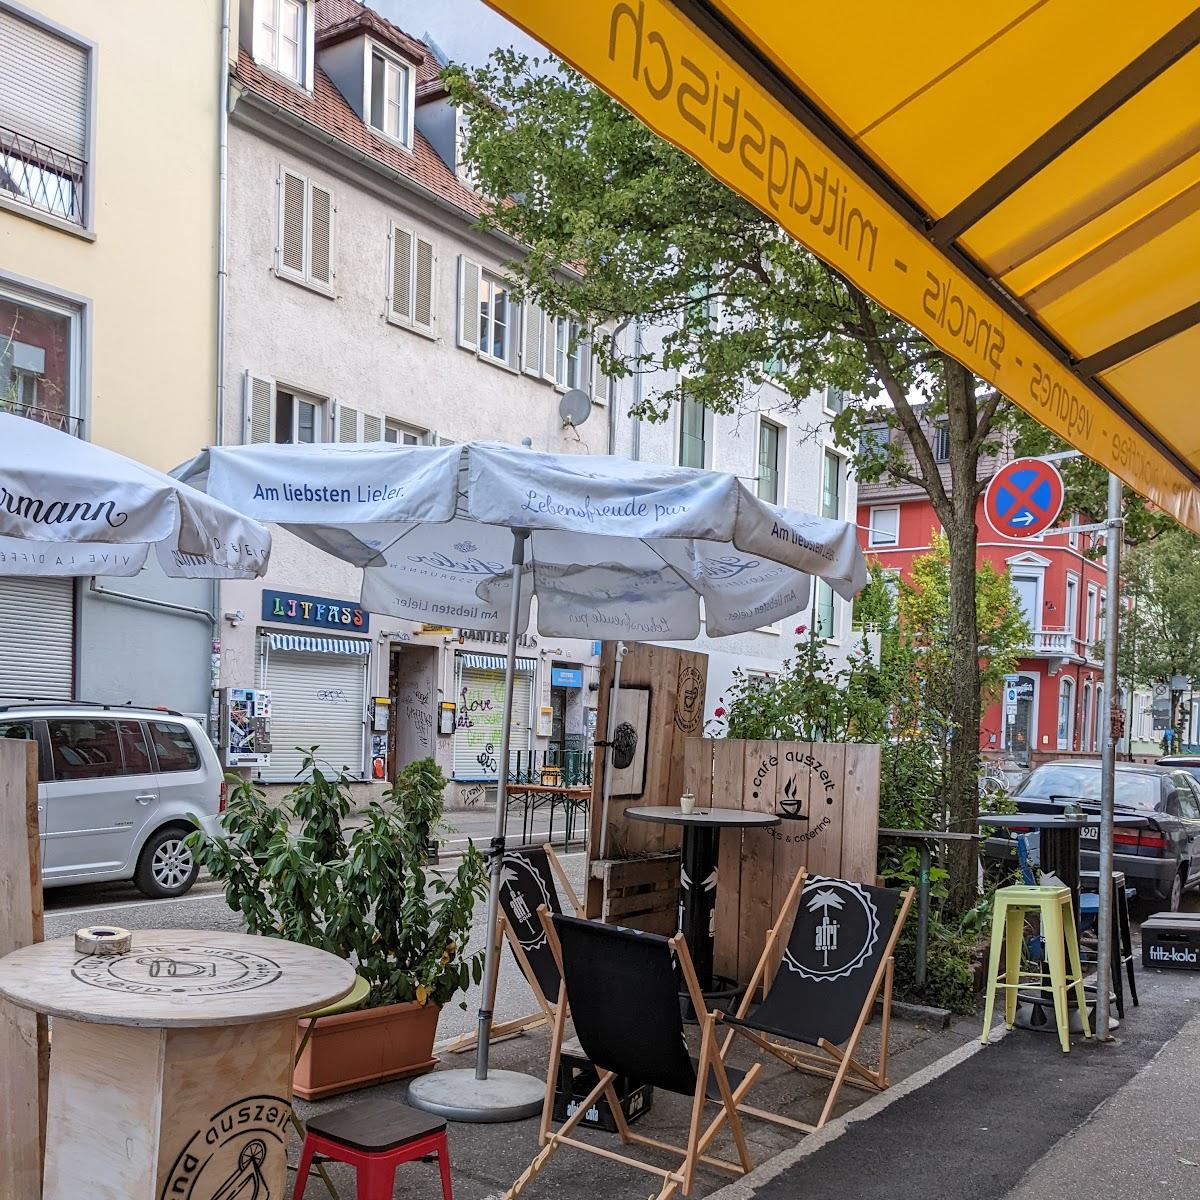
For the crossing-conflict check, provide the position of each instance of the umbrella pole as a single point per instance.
(479, 1095)
(491, 962)
(606, 790)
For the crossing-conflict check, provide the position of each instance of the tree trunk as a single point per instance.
(961, 534)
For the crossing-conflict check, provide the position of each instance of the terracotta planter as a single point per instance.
(371, 1045)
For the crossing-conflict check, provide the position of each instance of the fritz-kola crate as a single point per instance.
(577, 1077)
(1171, 940)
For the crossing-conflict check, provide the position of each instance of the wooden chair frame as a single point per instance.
(827, 1061)
(546, 1006)
(700, 1136)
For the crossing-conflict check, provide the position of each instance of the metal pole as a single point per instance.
(1112, 553)
(491, 961)
(612, 716)
(922, 914)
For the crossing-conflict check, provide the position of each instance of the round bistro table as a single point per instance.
(698, 871)
(171, 1071)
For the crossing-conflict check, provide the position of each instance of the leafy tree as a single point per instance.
(619, 224)
(1161, 626)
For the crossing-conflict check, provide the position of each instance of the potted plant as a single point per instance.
(364, 896)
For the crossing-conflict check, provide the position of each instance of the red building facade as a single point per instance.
(1060, 702)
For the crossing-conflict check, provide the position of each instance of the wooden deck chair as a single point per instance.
(837, 958)
(622, 990)
(526, 885)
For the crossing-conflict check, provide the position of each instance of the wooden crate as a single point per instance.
(641, 893)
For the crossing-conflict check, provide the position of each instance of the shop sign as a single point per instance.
(498, 637)
(445, 630)
(292, 608)
(566, 677)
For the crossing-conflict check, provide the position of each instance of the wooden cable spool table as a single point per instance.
(171, 1071)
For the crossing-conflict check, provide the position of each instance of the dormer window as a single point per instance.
(390, 106)
(280, 44)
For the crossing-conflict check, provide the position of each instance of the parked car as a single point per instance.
(117, 787)
(1160, 860)
(1182, 762)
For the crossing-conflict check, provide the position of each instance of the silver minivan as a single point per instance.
(117, 790)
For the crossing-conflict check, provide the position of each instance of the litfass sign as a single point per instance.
(292, 608)
(658, 64)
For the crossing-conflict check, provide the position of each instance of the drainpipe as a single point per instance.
(638, 347)
(222, 210)
(612, 400)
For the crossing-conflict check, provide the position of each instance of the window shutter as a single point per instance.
(423, 285)
(372, 428)
(258, 400)
(534, 339)
(585, 365)
(468, 303)
(549, 357)
(43, 85)
(601, 383)
(400, 304)
(320, 234)
(347, 423)
(291, 223)
(516, 315)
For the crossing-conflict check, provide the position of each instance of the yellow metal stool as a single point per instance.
(1053, 904)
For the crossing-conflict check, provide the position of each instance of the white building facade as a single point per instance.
(363, 304)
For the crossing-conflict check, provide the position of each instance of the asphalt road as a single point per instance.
(204, 907)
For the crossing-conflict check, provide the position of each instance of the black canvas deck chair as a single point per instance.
(527, 882)
(837, 958)
(622, 988)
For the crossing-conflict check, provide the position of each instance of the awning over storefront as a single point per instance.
(1020, 180)
(494, 662)
(319, 645)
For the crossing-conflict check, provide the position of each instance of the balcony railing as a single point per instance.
(1055, 641)
(47, 416)
(46, 179)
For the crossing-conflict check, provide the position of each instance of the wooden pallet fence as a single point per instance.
(641, 893)
(24, 1048)
(827, 797)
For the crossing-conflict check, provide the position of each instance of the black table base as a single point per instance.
(698, 898)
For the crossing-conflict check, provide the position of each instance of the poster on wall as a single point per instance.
(628, 740)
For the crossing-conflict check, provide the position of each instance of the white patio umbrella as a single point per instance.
(611, 548)
(70, 507)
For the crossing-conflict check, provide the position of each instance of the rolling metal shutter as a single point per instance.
(318, 698)
(43, 85)
(37, 638)
(480, 698)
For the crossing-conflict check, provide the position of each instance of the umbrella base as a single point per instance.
(459, 1096)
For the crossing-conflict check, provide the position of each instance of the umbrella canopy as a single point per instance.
(70, 507)
(616, 548)
(1047, 236)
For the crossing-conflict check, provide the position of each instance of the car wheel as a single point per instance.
(167, 866)
(1176, 898)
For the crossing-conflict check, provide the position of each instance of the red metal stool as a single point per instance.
(375, 1137)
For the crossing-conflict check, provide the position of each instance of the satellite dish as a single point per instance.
(575, 407)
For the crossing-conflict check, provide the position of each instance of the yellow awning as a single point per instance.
(1019, 179)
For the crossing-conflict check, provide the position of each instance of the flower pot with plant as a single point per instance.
(363, 895)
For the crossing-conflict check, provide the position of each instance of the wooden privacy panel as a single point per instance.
(827, 796)
(675, 680)
(24, 1050)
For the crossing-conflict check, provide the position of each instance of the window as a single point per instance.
(82, 748)
(173, 747)
(1098, 720)
(883, 526)
(1089, 621)
(835, 400)
(488, 320)
(831, 506)
(1101, 615)
(569, 354)
(404, 435)
(45, 120)
(410, 280)
(39, 356)
(1073, 536)
(693, 449)
(275, 413)
(768, 462)
(390, 110)
(304, 247)
(831, 487)
(1071, 616)
(939, 441)
(280, 38)
(1086, 716)
(1066, 713)
(297, 418)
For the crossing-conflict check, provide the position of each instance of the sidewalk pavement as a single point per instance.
(1021, 1121)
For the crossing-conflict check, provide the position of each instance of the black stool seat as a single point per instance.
(374, 1126)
